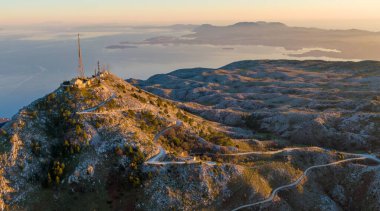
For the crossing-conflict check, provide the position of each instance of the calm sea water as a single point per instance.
(34, 62)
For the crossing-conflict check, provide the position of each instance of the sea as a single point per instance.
(34, 60)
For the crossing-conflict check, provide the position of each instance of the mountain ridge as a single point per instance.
(303, 88)
(102, 143)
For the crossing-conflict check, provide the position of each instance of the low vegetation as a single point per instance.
(178, 141)
(64, 126)
(55, 173)
(134, 174)
(216, 137)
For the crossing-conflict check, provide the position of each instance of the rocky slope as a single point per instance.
(329, 104)
(93, 143)
(84, 145)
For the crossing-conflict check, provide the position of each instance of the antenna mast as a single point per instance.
(80, 63)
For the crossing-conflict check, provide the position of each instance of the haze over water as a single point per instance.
(38, 48)
(35, 61)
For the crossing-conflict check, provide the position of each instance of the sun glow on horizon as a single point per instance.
(350, 13)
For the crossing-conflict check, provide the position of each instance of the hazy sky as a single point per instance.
(327, 13)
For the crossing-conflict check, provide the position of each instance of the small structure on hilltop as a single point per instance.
(86, 82)
(82, 81)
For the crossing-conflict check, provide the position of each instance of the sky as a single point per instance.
(320, 13)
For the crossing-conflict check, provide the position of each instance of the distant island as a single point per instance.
(120, 47)
(343, 44)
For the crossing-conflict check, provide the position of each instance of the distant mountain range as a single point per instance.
(344, 44)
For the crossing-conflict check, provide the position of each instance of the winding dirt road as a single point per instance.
(155, 160)
(91, 110)
(295, 183)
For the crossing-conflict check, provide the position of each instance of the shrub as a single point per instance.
(178, 140)
(33, 114)
(135, 174)
(78, 130)
(36, 148)
(252, 122)
(70, 147)
(56, 172)
(121, 87)
(159, 102)
(131, 113)
(3, 132)
(112, 104)
(141, 99)
(51, 97)
(118, 151)
(217, 137)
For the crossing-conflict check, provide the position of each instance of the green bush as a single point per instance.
(56, 172)
(149, 121)
(135, 174)
(64, 125)
(112, 104)
(141, 99)
(179, 141)
(131, 113)
(217, 137)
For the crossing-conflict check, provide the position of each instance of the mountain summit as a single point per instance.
(94, 140)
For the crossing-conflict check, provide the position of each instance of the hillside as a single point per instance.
(87, 141)
(318, 103)
(101, 143)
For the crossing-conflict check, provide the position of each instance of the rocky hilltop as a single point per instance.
(87, 145)
(329, 104)
(101, 143)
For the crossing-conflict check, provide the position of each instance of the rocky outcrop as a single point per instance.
(189, 187)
